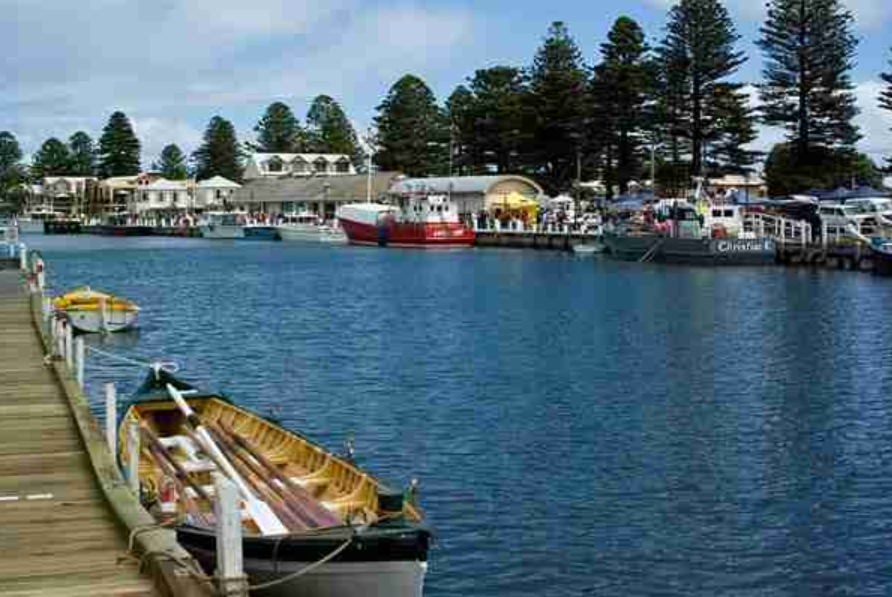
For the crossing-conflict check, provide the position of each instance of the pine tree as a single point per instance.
(10, 152)
(278, 131)
(463, 145)
(696, 57)
(488, 120)
(52, 159)
(736, 126)
(83, 154)
(173, 163)
(413, 132)
(118, 148)
(886, 101)
(557, 85)
(809, 49)
(328, 130)
(219, 153)
(620, 89)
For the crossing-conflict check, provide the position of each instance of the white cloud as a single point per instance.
(869, 14)
(172, 64)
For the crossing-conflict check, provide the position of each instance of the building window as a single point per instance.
(343, 166)
(320, 165)
(274, 165)
(299, 166)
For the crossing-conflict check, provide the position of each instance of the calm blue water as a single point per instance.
(579, 427)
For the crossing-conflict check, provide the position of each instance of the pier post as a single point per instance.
(41, 275)
(229, 538)
(111, 418)
(133, 456)
(69, 352)
(79, 355)
(23, 257)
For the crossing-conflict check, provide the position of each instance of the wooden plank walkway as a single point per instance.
(65, 541)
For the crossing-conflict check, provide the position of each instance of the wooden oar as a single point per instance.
(306, 521)
(191, 507)
(180, 471)
(310, 506)
(261, 513)
(265, 492)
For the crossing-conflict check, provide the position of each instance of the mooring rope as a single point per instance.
(169, 366)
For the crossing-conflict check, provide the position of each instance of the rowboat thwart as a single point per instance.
(92, 311)
(302, 504)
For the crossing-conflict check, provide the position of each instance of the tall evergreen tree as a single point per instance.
(118, 148)
(413, 131)
(173, 163)
(886, 101)
(487, 118)
(736, 126)
(557, 85)
(10, 152)
(83, 154)
(620, 118)
(278, 131)
(219, 153)
(697, 56)
(328, 130)
(809, 49)
(52, 159)
(463, 147)
(11, 171)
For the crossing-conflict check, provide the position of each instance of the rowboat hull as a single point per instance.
(93, 322)
(374, 538)
(91, 311)
(372, 568)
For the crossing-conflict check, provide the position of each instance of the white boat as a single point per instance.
(92, 311)
(589, 248)
(305, 227)
(235, 225)
(32, 221)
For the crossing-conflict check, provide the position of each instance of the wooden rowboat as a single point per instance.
(323, 502)
(92, 311)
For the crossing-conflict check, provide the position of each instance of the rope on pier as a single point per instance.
(169, 366)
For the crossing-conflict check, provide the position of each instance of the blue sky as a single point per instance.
(173, 64)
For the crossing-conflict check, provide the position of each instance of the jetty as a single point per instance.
(69, 524)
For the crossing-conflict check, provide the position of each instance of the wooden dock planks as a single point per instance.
(59, 537)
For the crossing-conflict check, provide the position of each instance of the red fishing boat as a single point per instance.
(429, 221)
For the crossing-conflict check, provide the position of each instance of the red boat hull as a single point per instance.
(400, 234)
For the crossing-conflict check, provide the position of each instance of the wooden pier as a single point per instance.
(65, 514)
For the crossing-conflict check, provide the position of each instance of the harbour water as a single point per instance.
(578, 426)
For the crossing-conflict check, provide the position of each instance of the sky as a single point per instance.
(171, 65)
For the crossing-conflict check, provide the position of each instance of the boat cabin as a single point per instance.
(428, 209)
(725, 220)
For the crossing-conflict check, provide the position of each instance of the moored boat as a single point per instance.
(429, 221)
(881, 254)
(92, 311)
(235, 226)
(305, 227)
(302, 503)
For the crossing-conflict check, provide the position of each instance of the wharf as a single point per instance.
(59, 536)
(65, 514)
(556, 241)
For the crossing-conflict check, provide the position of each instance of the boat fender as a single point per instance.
(390, 502)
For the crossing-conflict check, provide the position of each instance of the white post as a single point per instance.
(79, 361)
(111, 418)
(229, 538)
(69, 352)
(133, 456)
(824, 234)
(23, 257)
(41, 275)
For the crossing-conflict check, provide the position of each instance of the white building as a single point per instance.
(279, 165)
(215, 192)
(164, 195)
(65, 193)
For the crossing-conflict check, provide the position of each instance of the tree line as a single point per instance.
(672, 108)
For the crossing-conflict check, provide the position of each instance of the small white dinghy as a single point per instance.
(591, 248)
(92, 311)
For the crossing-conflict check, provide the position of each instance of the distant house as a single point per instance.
(279, 165)
(472, 194)
(165, 195)
(66, 194)
(318, 195)
(118, 194)
(215, 193)
(751, 185)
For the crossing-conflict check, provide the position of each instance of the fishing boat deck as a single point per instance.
(59, 536)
